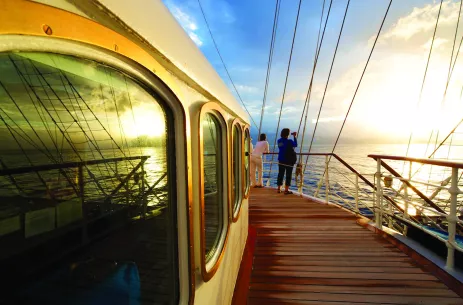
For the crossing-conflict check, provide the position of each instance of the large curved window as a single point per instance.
(213, 184)
(84, 166)
(247, 144)
(236, 167)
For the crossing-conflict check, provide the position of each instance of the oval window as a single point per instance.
(84, 166)
(236, 189)
(247, 143)
(212, 184)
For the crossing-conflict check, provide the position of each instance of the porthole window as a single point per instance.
(247, 143)
(85, 164)
(212, 185)
(236, 167)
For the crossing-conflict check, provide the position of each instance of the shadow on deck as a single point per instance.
(312, 253)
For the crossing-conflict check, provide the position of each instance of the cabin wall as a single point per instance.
(219, 290)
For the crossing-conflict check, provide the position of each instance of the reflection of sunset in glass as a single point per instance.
(149, 121)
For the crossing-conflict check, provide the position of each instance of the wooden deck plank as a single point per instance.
(312, 253)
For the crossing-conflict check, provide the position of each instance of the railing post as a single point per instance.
(406, 208)
(143, 195)
(406, 198)
(327, 185)
(379, 194)
(452, 219)
(357, 193)
(80, 177)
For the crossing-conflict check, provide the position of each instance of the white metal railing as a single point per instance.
(428, 214)
(385, 196)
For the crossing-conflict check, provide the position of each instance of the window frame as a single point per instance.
(239, 202)
(209, 268)
(96, 42)
(246, 180)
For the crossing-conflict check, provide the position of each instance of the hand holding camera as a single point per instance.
(294, 133)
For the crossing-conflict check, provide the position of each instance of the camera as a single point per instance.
(293, 133)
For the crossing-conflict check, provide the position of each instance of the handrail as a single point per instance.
(445, 163)
(45, 167)
(353, 170)
(418, 192)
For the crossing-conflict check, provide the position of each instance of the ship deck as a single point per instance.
(313, 253)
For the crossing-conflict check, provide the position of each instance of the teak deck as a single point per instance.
(313, 253)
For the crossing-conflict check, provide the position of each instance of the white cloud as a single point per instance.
(195, 38)
(438, 42)
(186, 21)
(423, 19)
(247, 89)
(328, 119)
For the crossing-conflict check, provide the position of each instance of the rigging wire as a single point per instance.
(329, 75)
(286, 79)
(309, 89)
(425, 72)
(451, 56)
(225, 67)
(269, 64)
(361, 77)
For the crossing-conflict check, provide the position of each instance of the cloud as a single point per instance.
(423, 19)
(187, 22)
(438, 42)
(247, 89)
(195, 39)
(328, 119)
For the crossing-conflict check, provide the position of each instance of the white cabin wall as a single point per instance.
(219, 290)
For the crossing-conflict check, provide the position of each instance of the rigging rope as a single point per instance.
(225, 67)
(329, 75)
(425, 72)
(269, 64)
(309, 89)
(286, 79)
(451, 56)
(361, 77)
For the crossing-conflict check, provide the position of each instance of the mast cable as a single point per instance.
(286, 79)
(425, 72)
(329, 75)
(223, 63)
(269, 64)
(361, 77)
(305, 110)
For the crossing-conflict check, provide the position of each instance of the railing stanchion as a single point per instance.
(452, 219)
(80, 176)
(327, 186)
(405, 208)
(379, 194)
(357, 193)
(143, 195)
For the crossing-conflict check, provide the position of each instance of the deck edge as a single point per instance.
(240, 294)
(450, 280)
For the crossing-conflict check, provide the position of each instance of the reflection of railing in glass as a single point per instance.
(83, 162)
(213, 189)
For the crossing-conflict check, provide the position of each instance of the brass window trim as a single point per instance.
(215, 110)
(27, 18)
(236, 214)
(246, 180)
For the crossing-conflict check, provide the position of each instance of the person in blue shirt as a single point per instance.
(285, 166)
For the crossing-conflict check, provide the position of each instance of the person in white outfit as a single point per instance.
(256, 160)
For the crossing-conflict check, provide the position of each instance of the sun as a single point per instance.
(147, 120)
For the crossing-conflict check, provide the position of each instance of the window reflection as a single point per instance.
(83, 162)
(213, 189)
(247, 143)
(236, 189)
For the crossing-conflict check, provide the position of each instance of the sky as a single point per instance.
(387, 107)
